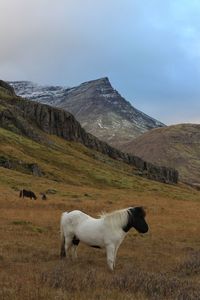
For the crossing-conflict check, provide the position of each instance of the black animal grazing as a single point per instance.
(43, 196)
(24, 193)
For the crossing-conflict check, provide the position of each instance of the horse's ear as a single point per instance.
(143, 211)
(145, 208)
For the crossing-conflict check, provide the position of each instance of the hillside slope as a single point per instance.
(99, 108)
(176, 146)
(33, 119)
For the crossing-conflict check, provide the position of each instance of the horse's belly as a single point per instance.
(91, 233)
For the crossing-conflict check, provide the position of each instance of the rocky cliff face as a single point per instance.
(6, 89)
(30, 118)
(99, 108)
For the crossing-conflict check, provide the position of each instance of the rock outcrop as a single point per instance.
(6, 89)
(29, 168)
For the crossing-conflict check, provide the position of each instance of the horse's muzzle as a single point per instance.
(145, 229)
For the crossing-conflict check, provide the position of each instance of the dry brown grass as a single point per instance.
(163, 264)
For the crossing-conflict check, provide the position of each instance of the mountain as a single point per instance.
(176, 146)
(100, 109)
(39, 122)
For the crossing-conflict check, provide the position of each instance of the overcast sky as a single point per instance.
(149, 49)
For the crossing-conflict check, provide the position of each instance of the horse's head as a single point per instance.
(137, 219)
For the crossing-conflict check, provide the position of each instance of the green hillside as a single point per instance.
(63, 161)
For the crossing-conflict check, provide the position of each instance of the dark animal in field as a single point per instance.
(43, 196)
(29, 194)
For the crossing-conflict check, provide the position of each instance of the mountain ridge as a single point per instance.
(100, 109)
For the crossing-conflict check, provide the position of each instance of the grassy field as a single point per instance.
(163, 264)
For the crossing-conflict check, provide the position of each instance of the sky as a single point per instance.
(149, 49)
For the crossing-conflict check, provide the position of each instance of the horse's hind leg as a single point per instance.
(62, 248)
(67, 246)
(66, 243)
(75, 243)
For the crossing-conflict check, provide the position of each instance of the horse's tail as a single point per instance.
(62, 248)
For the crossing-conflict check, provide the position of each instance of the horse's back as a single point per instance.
(70, 220)
(73, 214)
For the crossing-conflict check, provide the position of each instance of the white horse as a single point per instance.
(106, 232)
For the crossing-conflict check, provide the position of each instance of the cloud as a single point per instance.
(149, 49)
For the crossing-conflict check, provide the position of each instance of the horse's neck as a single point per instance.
(129, 224)
(116, 220)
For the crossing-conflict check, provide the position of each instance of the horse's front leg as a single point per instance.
(115, 255)
(110, 251)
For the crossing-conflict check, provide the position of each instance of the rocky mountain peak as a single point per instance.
(99, 108)
(97, 82)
